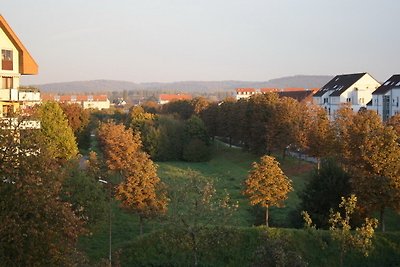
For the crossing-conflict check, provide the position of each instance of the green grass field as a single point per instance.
(228, 169)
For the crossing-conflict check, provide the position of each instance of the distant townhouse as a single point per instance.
(15, 62)
(352, 89)
(166, 98)
(244, 93)
(385, 99)
(86, 101)
(300, 94)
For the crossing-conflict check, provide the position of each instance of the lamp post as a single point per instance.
(109, 200)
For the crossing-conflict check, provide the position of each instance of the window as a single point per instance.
(325, 100)
(348, 100)
(361, 100)
(6, 59)
(8, 110)
(7, 82)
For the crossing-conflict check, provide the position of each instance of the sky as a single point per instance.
(205, 40)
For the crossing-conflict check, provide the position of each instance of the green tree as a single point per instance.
(141, 190)
(195, 206)
(58, 135)
(85, 193)
(324, 191)
(340, 229)
(170, 144)
(267, 185)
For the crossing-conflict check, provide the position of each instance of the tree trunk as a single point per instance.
(196, 263)
(318, 164)
(382, 219)
(266, 217)
(141, 224)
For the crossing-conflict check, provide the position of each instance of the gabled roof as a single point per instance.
(27, 64)
(339, 84)
(392, 82)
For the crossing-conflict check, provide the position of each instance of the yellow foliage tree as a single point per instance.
(267, 185)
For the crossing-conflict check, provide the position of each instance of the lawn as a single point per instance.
(228, 168)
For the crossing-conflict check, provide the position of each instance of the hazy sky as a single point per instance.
(176, 40)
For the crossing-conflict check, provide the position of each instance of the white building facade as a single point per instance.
(354, 90)
(385, 99)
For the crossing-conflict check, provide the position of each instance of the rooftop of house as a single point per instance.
(339, 84)
(299, 95)
(27, 65)
(170, 97)
(70, 98)
(392, 82)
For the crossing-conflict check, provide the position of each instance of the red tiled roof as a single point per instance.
(69, 98)
(170, 97)
(100, 98)
(242, 90)
(269, 90)
(294, 89)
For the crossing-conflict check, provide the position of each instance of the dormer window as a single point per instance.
(6, 59)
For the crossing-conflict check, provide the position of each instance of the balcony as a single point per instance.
(29, 95)
(8, 94)
(15, 123)
(19, 95)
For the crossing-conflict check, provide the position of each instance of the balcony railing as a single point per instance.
(15, 123)
(9, 94)
(19, 95)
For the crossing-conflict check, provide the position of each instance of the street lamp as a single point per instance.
(109, 200)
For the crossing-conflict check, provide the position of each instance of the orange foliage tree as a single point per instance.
(141, 190)
(267, 185)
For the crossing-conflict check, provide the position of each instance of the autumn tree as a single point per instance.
(199, 104)
(78, 117)
(37, 227)
(374, 163)
(285, 125)
(267, 185)
(343, 121)
(57, 134)
(259, 112)
(394, 121)
(183, 108)
(140, 191)
(319, 134)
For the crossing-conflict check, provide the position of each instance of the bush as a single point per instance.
(196, 151)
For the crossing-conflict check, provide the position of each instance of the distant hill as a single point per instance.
(306, 81)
